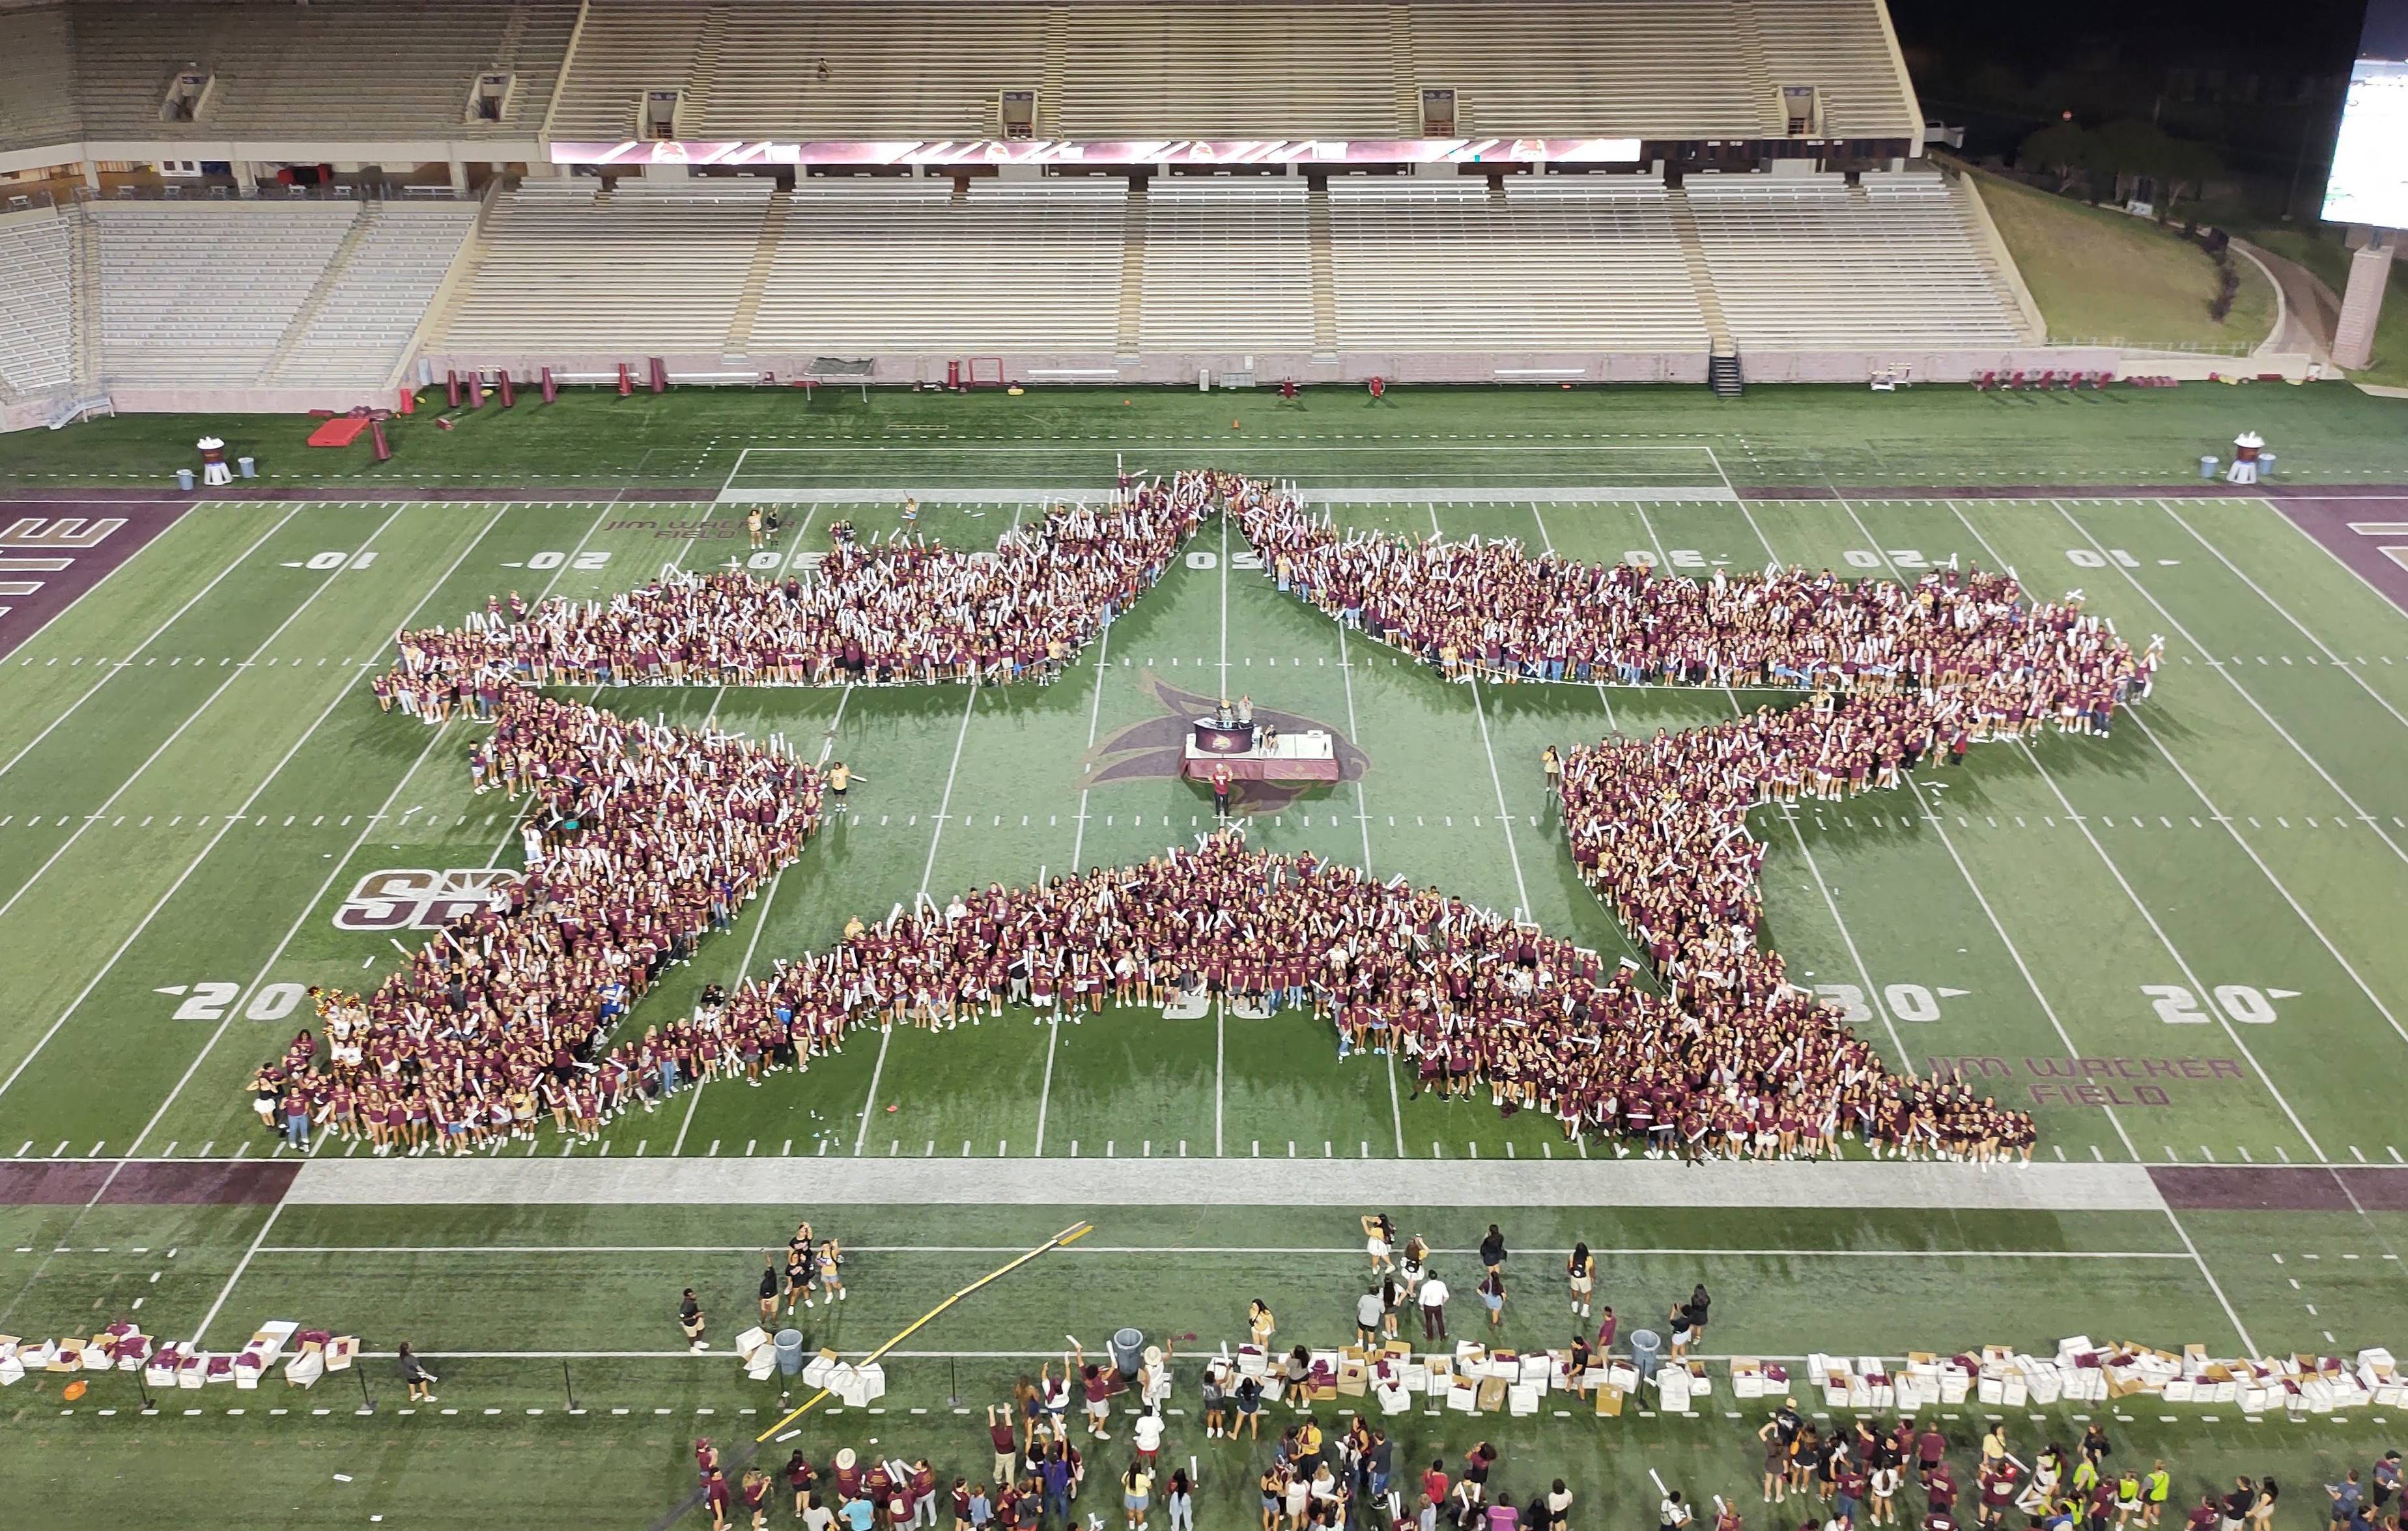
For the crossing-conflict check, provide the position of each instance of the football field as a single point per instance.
(2178, 947)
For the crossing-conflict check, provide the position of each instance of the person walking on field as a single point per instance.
(1582, 1270)
(421, 1381)
(1492, 1296)
(1433, 1301)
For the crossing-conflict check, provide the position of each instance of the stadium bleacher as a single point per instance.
(36, 332)
(203, 293)
(865, 268)
(754, 70)
(355, 328)
(1712, 235)
(1585, 263)
(37, 81)
(1227, 267)
(343, 71)
(647, 266)
(1812, 264)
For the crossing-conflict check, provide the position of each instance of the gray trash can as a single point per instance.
(789, 1346)
(184, 479)
(1128, 1350)
(246, 468)
(1646, 1347)
(2265, 465)
(2207, 467)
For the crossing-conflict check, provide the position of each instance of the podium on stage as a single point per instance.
(1310, 755)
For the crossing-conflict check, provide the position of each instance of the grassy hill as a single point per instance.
(2097, 272)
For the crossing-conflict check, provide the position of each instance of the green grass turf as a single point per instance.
(2104, 275)
(528, 1286)
(1992, 881)
(1629, 437)
(263, 1470)
(2048, 887)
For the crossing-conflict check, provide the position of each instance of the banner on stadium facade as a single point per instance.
(735, 152)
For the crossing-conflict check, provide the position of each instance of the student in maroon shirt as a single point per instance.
(715, 1494)
(1930, 1448)
(1435, 1485)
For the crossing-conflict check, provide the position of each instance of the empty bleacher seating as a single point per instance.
(1811, 263)
(1577, 262)
(202, 292)
(337, 70)
(37, 103)
(1841, 48)
(37, 302)
(1635, 67)
(753, 71)
(373, 304)
(872, 267)
(652, 267)
(1275, 68)
(1227, 267)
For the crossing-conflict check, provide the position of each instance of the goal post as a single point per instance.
(840, 370)
(984, 372)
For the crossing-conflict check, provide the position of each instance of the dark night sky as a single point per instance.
(2305, 36)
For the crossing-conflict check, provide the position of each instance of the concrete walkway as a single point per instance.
(1854, 1185)
(2311, 310)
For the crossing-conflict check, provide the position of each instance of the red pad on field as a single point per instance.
(339, 433)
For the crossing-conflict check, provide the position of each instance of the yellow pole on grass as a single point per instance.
(1066, 1236)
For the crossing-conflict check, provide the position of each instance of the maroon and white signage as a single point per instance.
(733, 152)
(47, 559)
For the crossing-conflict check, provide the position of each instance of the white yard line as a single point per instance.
(485, 1253)
(769, 895)
(693, 1099)
(723, 1356)
(2371, 821)
(1830, 903)
(944, 811)
(1224, 603)
(1220, 1057)
(1078, 847)
(1363, 818)
(223, 828)
(2372, 588)
(61, 614)
(244, 1264)
(135, 651)
(384, 809)
(2232, 829)
(2023, 968)
(233, 674)
(2082, 824)
(1496, 778)
(2260, 591)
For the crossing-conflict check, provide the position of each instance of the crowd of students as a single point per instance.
(852, 1494)
(1894, 675)
(643, 838)
(905, 611)
(640, 839)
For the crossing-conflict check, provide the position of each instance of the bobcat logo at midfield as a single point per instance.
(1152, 747)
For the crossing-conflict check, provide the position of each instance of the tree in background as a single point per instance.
(2063, 149)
